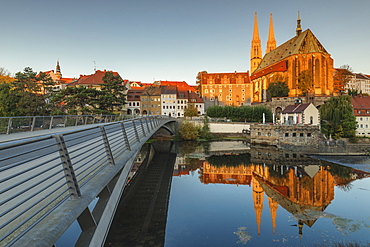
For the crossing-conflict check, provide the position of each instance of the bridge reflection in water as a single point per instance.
(302, 186)
(142, 212)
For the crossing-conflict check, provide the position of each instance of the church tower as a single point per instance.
(58, 73)
(256, 50)
(271, 42)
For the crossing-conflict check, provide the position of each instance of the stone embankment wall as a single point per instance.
(280, 135)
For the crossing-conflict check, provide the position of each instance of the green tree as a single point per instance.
(305, 83)
(112, 97)
(277, 89)
(188, 131)
(76, 100)
(8, 101)
(191, 111)
(30, 93)
(243, 113)
(337, 117)
(205, 131)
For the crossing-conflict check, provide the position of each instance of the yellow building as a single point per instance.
(226, 88)
(301, 55)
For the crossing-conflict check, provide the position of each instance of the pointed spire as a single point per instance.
(57, 68)
(273, 205)
(299, 29)
(58, 73)
(271, 42)
(256, 50)
(256, 35)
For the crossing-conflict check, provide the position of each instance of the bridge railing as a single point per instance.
(10, 125)
(63, 171)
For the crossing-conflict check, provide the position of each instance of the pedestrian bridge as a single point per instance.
(47, 182)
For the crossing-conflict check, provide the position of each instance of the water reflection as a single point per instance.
(301, 185)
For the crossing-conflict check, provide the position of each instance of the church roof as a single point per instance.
(304, 43)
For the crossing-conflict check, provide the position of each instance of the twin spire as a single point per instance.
(256, 50)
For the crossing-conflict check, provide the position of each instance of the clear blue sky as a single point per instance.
(170, 39)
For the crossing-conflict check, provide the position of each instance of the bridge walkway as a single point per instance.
(49, 181)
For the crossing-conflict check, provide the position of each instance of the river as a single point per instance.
(228, 194)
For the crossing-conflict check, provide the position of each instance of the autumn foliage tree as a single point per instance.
(341, 78)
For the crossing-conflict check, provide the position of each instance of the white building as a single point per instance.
(168, 99)
(300, 114)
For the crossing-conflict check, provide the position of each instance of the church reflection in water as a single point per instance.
(299, 184)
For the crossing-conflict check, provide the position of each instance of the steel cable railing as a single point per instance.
(39, 174)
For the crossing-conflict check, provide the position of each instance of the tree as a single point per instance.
(277, 88)
(8, 101)
(76, 100)
(188, 131)
(199, 81)
(305, 83)
(191, 111)
(112, 97)
(341, 78)
(28, 92)
(5, 76)
(337, 117)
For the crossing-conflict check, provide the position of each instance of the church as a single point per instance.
(301, 56)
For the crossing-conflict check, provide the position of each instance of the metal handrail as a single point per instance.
(41, 174)
(18, 124)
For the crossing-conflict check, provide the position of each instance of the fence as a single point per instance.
(10, 125)
(39, 175)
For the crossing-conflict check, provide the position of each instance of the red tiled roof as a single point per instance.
(295, 108)
(278, 67)
(178, 84)
(94, 79)
(361, 105)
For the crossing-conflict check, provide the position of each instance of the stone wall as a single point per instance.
(279, 135)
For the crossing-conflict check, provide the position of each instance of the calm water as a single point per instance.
(255, 198)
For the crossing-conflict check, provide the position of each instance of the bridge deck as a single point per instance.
(49, 179)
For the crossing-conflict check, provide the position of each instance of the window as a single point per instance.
(300, 134)
(308, 134)
(259, 133)
(286, 134)
(269, 134)
(294, 134)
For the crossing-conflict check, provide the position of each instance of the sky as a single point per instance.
(147, 40)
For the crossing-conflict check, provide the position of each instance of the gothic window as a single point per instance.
(317, 73)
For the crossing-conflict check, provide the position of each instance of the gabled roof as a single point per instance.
(194, 98)
(344, 71)
(178, 84)
(297, 108)
(168, 89)
(360, 102)
(134, 94)
(362, 76)
(93, 79)
(152, 91)
(304, 43)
